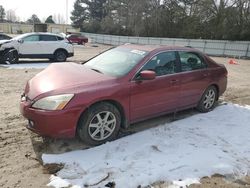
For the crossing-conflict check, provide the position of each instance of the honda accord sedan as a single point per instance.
(123, 85)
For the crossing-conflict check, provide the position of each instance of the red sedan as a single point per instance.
(121, 86)
(79, 39)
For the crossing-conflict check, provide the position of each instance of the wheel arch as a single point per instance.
(8, 49)
(218, 90)
(61, 49)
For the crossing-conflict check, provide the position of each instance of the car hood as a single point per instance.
(63, 77)
(4, 41)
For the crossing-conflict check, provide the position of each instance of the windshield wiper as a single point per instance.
(97, 70)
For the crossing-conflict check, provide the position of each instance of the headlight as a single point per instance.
(57, 102)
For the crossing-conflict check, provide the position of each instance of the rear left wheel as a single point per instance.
(81, 43)
(101, 123)
(208, 99)
(60, 56)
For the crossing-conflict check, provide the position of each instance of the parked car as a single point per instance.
(79, 39)
(36, 45)
(4, 37)
(121, 86)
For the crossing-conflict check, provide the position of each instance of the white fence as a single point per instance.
(240, 49)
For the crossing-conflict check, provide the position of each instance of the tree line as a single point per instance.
(205, 19)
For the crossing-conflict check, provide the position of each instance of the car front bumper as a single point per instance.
(54, 124)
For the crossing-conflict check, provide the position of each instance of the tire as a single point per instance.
(208, 99)
(81, 43)
(99, 124)
(60, 56)
(10, 57)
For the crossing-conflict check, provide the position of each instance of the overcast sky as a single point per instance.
(42, 8)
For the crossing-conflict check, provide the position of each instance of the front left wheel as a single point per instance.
(99, 124)
(10, 57)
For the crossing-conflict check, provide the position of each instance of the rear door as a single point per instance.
(153, 97)
(49, 44)
(195, 77)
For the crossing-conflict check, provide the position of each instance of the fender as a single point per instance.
(12, 50)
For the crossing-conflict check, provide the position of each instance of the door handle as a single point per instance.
(206, 74)
(173, 81)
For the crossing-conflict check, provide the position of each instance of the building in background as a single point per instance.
(19, 28)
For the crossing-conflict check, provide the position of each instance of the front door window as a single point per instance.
(163, 64)
(32, 38)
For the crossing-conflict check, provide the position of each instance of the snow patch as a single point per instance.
(180, 152)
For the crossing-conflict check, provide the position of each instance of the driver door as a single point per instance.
(149, 98)
(30, 45)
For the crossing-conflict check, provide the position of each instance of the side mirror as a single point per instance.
(147, 75)
(20, 41)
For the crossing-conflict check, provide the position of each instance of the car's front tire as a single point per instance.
(60, 56)
(99, 124)
(10, 57)
(208, 99)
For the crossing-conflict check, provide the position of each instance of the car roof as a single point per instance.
(40, 33)
(157, 48)
(36, 33)
(44, 33)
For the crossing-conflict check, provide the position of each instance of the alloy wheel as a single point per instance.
(60, 56)
(10, 57)
(102, 125)
(209, 99)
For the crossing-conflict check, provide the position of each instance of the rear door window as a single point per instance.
(191, 61)
(60, 38)
(48, 38)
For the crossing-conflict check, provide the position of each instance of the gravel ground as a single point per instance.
(20, 150)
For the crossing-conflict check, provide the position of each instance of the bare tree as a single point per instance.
(2, 13)
(11, 16)
(59, 19)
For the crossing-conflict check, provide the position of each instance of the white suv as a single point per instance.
(36, 45)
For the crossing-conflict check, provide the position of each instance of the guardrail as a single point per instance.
(239, 49)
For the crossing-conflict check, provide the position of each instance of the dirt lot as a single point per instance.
(20, 150)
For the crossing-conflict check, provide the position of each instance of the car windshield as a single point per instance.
(20, 36)
(116, 62)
